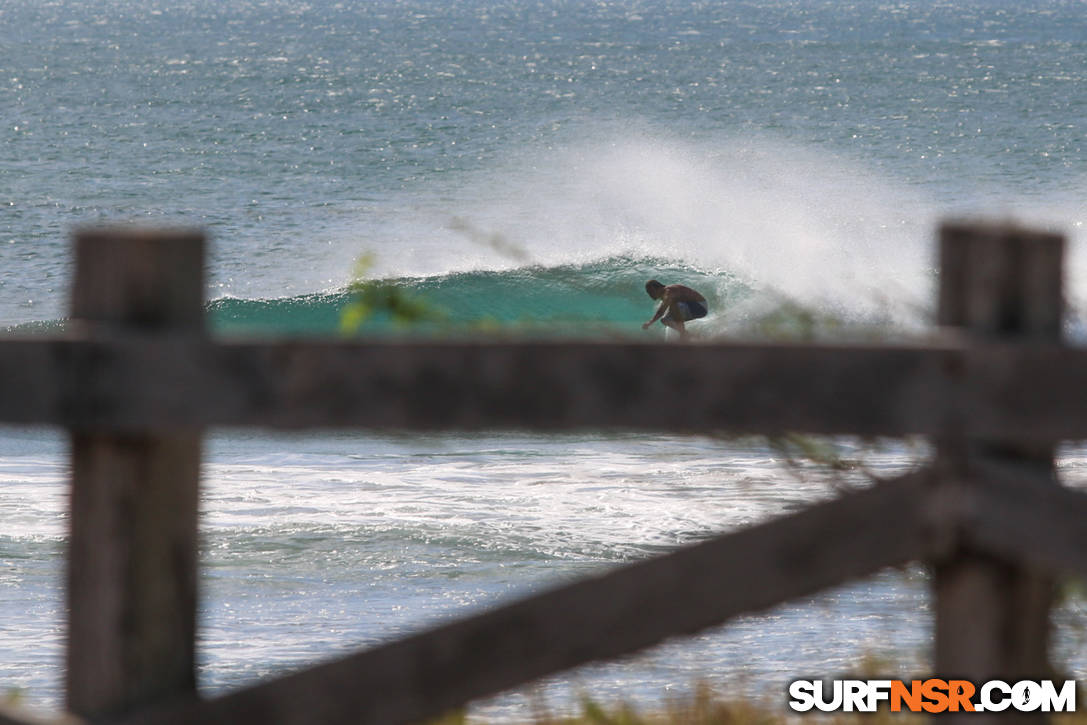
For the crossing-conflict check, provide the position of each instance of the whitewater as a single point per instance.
(522, 168)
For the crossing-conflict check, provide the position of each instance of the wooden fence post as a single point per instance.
(992, 616)
(133, 549)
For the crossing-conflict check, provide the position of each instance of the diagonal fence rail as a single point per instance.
(135, 379)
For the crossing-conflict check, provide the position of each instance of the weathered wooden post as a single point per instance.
(133, 548)
(992, 616)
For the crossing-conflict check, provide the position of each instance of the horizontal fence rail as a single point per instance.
(145, 382)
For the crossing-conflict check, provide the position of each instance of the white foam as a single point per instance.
(810, 225)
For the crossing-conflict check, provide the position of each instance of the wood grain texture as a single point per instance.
(132, 549)
(1018, 514)
(998, 282)
(134, 383)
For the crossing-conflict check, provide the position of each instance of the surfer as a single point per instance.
(679, 304)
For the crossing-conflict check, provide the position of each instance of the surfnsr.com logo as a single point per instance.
(932, 696)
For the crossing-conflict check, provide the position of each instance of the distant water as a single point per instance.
(525, 165)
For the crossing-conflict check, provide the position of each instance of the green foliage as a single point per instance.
(704, 706)
(845, 461)
(371, 298)
(787, 320)
(457, 717)
(792, 321)
(793, 448)
(777, 317)
(494, 240)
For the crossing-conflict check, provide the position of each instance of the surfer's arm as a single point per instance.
(657, 316)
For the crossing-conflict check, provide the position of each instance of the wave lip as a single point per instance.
(601, 297)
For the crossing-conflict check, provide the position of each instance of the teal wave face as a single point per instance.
(604, 297)
(601, 298)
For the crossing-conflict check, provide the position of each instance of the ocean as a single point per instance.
(519, 168)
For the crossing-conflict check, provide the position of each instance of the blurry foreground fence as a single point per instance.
(136, 380)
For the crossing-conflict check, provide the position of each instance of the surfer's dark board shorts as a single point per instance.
(689, 311)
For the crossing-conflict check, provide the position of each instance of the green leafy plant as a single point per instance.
(371, 298)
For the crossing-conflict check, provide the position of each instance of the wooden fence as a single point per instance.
(136, 380)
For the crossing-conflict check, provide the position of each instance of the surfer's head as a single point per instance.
(655, 289)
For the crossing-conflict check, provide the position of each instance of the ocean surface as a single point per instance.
(519, 167)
